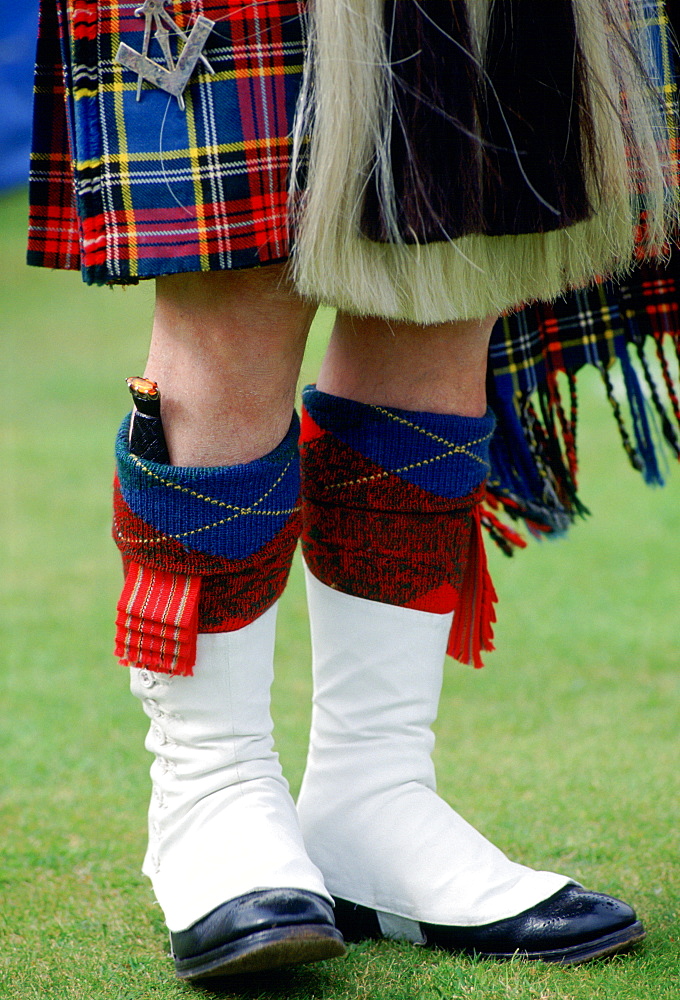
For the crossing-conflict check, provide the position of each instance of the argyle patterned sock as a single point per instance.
(204, 549)
(391, 510)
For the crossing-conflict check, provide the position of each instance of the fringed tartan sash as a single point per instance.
(630, 333)
(204, 550)
(391, 510)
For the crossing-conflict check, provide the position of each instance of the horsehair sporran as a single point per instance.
(347, 108)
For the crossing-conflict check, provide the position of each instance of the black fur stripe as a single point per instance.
(495, 149)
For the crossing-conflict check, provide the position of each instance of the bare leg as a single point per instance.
(226, 351)
(440, 369)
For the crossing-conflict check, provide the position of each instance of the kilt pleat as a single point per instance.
(159, 190)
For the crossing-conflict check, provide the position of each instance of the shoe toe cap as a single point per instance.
(256, 911)
(572, 917)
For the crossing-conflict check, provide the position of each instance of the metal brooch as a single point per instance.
(174, 76)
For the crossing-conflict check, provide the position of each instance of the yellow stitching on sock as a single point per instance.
(200, 496)
(456, 450)
(206, 527)
(422, 430)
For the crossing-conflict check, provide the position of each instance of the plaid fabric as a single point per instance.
(588, 327)
(633, 325)
(158, 190)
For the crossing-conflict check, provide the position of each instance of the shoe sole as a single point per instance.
(610, 944)
(265, 950)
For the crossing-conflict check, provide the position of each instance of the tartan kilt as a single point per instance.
(124, 189)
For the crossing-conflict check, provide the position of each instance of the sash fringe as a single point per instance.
(630, 335)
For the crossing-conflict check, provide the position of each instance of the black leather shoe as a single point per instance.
(256, 932)
(572, 926)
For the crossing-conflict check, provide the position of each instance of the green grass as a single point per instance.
(564, 749)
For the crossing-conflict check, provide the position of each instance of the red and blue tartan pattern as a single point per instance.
(127, 190)
(533, 455)
(633, 325)
(205, 550)
(399, 520)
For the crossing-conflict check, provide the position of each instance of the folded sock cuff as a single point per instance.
(445, 454)
(204, 549)
(229, 511)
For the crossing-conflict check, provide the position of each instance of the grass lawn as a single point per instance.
(564, 749)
